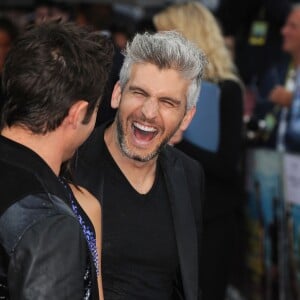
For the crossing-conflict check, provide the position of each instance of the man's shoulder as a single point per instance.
(185, 173)
(32, 209)
(16, 183)
(26, 202)
(173, 155)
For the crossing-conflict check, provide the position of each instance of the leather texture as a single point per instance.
(43, 252)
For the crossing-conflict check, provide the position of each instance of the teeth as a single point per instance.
(144, 128)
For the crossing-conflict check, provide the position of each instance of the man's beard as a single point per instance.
(130, 154)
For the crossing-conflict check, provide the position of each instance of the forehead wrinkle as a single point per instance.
(136, 80)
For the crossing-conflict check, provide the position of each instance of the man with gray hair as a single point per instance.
(151, 193)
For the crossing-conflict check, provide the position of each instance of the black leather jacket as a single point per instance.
(43, 252)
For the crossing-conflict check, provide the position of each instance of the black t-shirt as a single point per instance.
(139, 253)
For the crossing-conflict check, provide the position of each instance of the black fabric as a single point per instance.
(220, 235)
(134, 267)
(185, 196)
(40, 267)
(35, 173)
(223, 191)
(44, 254)
(223, 173)
(3, 273)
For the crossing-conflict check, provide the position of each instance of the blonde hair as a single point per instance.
(198, 25)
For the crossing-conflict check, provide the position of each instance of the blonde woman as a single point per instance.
(223, 198)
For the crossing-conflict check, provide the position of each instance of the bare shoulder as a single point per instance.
(85, 198)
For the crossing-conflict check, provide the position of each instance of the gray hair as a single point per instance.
(167, 50)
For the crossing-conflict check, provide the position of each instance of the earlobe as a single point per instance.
(116, 96)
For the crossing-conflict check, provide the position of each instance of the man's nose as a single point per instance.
(150, 108)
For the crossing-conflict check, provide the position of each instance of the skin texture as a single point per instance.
(280, 95)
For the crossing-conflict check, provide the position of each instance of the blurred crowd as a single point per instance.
(260, 37)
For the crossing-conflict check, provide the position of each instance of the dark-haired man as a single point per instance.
(53, 77)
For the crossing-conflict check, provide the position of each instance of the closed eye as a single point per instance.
(138, 92)
(170, 102)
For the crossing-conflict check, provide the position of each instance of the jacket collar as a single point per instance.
(18, 155)
(185, 227)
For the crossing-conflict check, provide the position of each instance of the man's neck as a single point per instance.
(45, 146)
(141, 175)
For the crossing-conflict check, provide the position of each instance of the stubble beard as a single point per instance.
(130, 154)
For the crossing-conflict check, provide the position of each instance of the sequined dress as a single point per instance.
(89, 233)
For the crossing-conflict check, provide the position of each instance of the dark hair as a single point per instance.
(49, 68)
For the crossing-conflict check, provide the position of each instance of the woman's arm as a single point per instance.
(92, 208)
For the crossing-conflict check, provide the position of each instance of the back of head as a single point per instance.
(198, 25)
(166, 50)
(49, 68)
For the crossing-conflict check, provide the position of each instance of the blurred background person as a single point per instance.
(8, 33)
(223, 192)
(42, 11)
(276, 90)
(48, 10)
(120, 36)
(252, 32)
(253, 27)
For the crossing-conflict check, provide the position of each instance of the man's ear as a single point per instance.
(76, 113)
(187, 119)
(116, 95)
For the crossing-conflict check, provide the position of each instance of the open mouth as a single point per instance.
(144, 133)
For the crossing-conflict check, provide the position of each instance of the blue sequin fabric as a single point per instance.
(86, 226)
(88, 232)
(90, 238)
